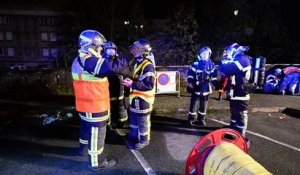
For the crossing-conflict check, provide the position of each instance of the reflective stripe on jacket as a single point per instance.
(140, 75)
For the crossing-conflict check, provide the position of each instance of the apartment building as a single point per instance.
(30, 38)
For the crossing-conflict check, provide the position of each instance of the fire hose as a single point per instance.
(223, 151)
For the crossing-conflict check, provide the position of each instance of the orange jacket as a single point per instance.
(91, 92)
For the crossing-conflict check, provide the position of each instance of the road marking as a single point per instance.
(143, 162)
(262, 136)
(149, 170)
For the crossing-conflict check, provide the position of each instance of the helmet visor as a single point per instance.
(204, 56)
(110, 51)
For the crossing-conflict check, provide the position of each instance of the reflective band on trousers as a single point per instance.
(95, 119)
(139, 111)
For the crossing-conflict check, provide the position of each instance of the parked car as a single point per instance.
(19, 67)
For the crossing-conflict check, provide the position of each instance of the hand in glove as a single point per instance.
(127, 82)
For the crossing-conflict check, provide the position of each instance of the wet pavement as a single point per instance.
(29, 147)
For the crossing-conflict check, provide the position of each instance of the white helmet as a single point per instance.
(140, 48)
(90, 41)
(204, 53)
(110, 48)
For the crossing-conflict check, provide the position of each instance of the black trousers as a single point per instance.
(239, 115)
(139, 120)
(198, 105)
(118, 112)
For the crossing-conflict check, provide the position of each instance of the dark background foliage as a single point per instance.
(177, 29)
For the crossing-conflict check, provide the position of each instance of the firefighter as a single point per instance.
(224, 79)
(119, 115)
(142, 95)
(290, 81)
(273, 81)
(200, 75)
(89, 71)
(239, 72)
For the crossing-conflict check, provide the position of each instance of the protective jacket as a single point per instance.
(201, 74)
(291, 80)
(143, 85)
(239, 72)
(90, 82)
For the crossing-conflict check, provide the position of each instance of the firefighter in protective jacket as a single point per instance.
(142, 95)
(239, 72)
(119, 114)
(89, 71)
(223, 83)
(200, 75)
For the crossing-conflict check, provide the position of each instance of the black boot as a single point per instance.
(124, 125)
(190, 123)
(201, 122)
(83, 151)
(131, 141)
(104, 165)
(141, 145)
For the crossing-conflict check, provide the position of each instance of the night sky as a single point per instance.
(157, 8)
(163, 9)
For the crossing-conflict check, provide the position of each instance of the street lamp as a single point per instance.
(236, 12)
(126, 22)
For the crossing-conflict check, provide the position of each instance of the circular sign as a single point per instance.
(163, 79)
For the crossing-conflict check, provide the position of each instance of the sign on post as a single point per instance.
(166, 82)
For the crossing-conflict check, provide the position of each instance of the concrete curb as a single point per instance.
(219, 110)
(268, 109)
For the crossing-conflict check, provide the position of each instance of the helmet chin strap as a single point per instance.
(96, 54)
(198, 57)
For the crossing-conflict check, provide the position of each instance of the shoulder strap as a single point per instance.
(79, 61)
(141, 67)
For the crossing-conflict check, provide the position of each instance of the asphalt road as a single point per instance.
(29, 148)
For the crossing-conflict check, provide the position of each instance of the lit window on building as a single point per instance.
(1, 51)
(53, 37)
(54, 53)
(10, 52)
(8, 35)
(1, 35)
(44, 36)
(45, 52)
